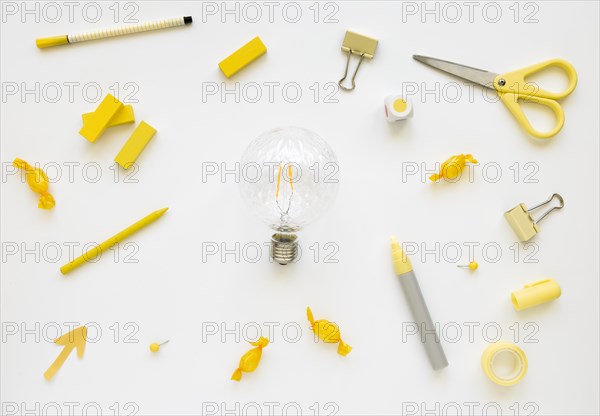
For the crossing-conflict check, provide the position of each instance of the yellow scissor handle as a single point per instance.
(512, 102)
(514, 82)
(513, 87)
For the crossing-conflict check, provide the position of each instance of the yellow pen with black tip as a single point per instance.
(112, 32)
(418, 307)
(100, 248)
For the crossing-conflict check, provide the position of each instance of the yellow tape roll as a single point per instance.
(505, 364)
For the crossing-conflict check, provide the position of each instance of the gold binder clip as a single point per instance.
(523, 224)
(356, 44)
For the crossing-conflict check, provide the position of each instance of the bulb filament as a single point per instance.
(285, 212)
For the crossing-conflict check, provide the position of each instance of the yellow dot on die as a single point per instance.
(400, 105)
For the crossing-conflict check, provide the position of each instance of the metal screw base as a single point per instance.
(284, 248)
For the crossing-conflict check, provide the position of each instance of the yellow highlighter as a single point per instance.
(97, 250)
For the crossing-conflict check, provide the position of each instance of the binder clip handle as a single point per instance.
(359, 45)
(362, 57)
(560, 201)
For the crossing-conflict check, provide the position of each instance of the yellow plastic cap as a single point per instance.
(535, 293)
(51, 41)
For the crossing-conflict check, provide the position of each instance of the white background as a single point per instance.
(171, 293)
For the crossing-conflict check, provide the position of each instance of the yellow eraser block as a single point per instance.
(135, 144)
(242, 57)
(123, 116)
(100, 119)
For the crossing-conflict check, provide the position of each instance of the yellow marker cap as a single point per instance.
(535, 293)
(135, 145)
(242, 57)
(51, 41)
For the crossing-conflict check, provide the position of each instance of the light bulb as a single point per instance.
(290, 176)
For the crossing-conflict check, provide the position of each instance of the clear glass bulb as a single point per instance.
(290, 176)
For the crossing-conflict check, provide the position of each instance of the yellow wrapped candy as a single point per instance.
(38, 182)
(250, 360)
(328, 332)
(453, 167)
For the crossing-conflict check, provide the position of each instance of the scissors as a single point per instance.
(512, 87)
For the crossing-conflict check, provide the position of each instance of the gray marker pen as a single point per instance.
(414, 297)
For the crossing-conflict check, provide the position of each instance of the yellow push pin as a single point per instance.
(472, 265)
(154, 347)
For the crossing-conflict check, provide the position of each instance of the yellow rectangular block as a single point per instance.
(242, 57)
(123, 116)
(101, 118)
(135, 144)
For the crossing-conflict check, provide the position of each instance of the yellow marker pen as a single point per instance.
(97, 250)
(416, 302)
(112, 32)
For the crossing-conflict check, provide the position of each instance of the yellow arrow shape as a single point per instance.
(74, 339)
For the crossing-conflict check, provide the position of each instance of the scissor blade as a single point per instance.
(478, 76)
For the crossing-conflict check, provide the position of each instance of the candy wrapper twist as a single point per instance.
(328, 332)
(453, 167)
(250, 360)
(38, 182)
